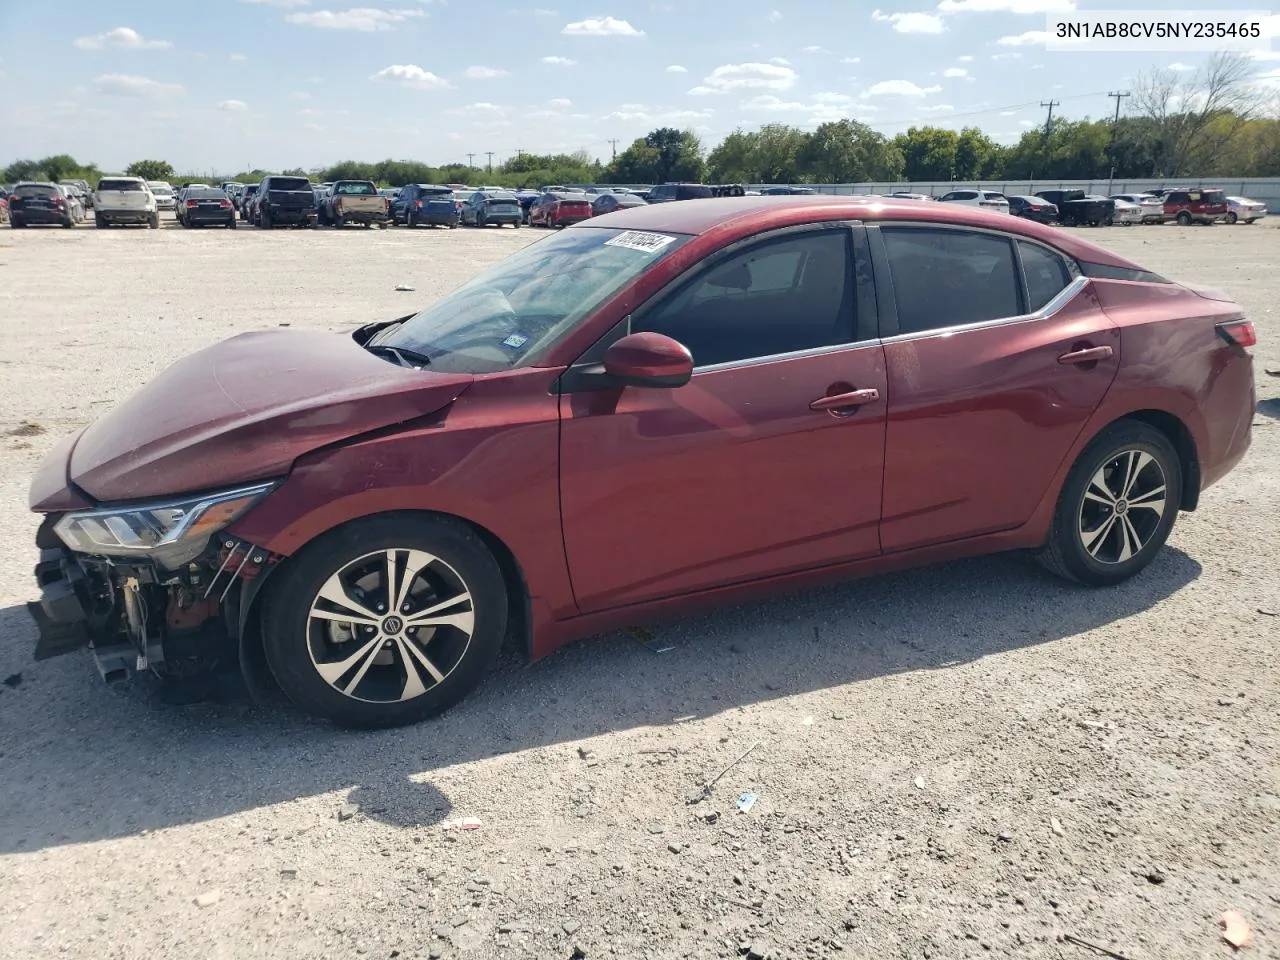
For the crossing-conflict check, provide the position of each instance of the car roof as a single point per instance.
(742, 216)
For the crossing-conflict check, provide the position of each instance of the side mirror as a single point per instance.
(649, 360)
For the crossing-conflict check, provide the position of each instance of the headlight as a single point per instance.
(171, 533)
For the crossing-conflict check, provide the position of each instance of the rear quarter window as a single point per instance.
(1046, 272)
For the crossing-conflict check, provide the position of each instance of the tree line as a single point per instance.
(1217, 121)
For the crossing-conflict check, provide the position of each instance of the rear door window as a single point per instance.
(1046, 272)
(944, 278)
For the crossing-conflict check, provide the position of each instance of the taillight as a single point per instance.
(1238, 332)
(225, 204)
(417, 204)
(192, 203)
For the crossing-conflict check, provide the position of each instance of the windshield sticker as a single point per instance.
(515, 341)
(638, 240)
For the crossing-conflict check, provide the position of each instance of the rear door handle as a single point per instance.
(854, 398)
(1087, 355)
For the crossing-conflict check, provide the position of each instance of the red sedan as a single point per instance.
(661, 407)
(559, 210)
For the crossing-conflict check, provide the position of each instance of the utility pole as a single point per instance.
(1118, 95)
(489, 154)
(471, 161)
(1048, 123)
(613, 144)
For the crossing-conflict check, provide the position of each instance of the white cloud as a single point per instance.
(301, 95)
(121, 38)
(411, 75)
(780, 61)
(128, 85)
(1007, 113)
(746, 76)
(279, 3)
(850, 59)
(1006, 56)
(364, 19)
(897, 88)
(1027, 123)
(1006, 6)
(775, 16)
(1025, 39)
(955, 72)
(560, 61)
(938, 108)
(831, 98)
(815, 49)
(967, 58)
(561, 102)
(601, 27)
(483, 109)
(676, 68)
(239, 57)
(910, 22)
(233, 106)
(1181, 67)
(483, 73)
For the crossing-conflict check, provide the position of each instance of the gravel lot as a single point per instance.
(960, 761)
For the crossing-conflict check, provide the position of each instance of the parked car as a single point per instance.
(207, 206)
(609, 202)
(1152, 206)
(1195, 205)
(124, 200)
(667, 192)
(988, 200)
(4, 207)
(554, 209)
(1033, 208)
(38, 202)
(355, 201)
(75, 200)
(86, 191)
(284, 201)
(229, 187)
(425, 203)
(526, 198)
(162, 190)
(1077, 210)
(492, 206)
(244, 203)
(1244, 210)
(786, 191)
(904, 195)
(1126, 214)
(368, 516)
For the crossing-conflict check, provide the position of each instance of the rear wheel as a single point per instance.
(99, 221)
(1117, 506)
(153, 221)
(386, 621)
(231, 224)
(1184, 219)
(68, 223)
(264, 219)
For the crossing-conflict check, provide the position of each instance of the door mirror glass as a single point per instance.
(649, 360)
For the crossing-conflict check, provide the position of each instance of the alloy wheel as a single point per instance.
(1122, 506)
(390, 625)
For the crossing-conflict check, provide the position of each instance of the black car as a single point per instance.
(609, 202)
(1076, 209)
(1033, 208)
(786, 191)
(39, 203)
(424, 203)
(242, 202)
(207, 206)
(667, 192)
(282, 201)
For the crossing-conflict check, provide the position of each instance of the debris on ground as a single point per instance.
(919, 782)
(465, 823)
(13, 680)
(746, 802)
(289, 873)
(1056, 826)
(404, 288)
(1235, 929)
(208, 898)
(1068, 938)
(706, 787)
(1266, 612)
(348, 810)
(27, 428)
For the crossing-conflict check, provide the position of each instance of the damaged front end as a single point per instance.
(156, 587)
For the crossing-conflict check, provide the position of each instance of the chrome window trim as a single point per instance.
(1064, 296)
(792, 355)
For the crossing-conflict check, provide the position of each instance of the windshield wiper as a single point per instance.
(401, 355)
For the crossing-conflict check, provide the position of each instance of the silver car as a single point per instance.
(1244, 210)
(1152, 207)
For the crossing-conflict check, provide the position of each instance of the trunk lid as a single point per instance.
(245, 409)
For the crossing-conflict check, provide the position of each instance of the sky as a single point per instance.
(229, 85)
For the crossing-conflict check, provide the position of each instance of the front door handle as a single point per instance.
(854, 398)
(1087, 355)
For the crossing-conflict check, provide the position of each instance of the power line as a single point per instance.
(489, 154)
(1111, 147)
(986, 111)
(471, 161)
(613, 144)
(1048, 123)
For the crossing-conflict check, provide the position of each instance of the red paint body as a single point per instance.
(622, 504)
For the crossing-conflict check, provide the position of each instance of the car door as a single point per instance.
(998, 353)
(768, 460)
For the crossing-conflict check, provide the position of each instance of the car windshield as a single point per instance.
(206, 193)
(162, 191)
(125, 186)
(356, 189)
(528, 300)
(289, 183)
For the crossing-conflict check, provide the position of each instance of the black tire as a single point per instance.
(1184, 219)
(481, 220)
(410, 220)
(292, 638)
(1231, 217)
(99, 221)
(1103, 562)
(68, 224)
(231, 224)
(153, 221)
(264, 219)
(15, 223)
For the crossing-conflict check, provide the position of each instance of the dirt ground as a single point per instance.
(973, 759)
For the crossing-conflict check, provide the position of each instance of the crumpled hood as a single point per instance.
(245, 409)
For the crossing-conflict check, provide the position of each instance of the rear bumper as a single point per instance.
(125, 216)
(568, 219)
(41, 216)
(221, 216)
(288, 214)
(361, 216)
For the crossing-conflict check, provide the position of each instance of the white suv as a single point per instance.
(986, 199)
(124, 200)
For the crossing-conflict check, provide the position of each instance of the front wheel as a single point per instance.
(1117, 506)
(1231, 218)
(386, 621)
(1184, 219)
